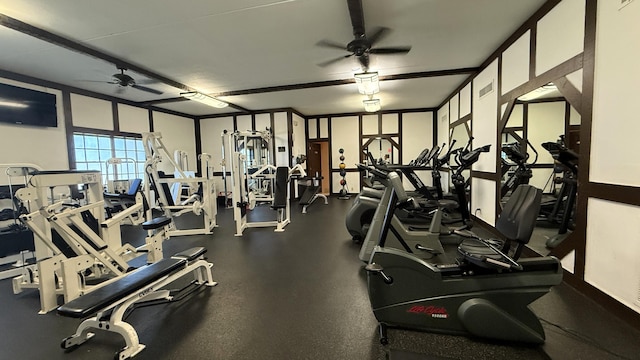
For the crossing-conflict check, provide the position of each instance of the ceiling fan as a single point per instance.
(362, 45)
(123, 81)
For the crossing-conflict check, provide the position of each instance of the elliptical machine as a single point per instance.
(485, 294)
(564, 206)
(522, 172)
(428, 240)
(359, 217)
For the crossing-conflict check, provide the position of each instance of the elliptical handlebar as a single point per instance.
(374, 170)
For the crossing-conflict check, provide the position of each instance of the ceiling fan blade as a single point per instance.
(147, 81)
(378, 34)
(357, 17)
(120, 90)
(98, 81)
(331, 44)
(391, 50)
(149, 90)
(329, 62)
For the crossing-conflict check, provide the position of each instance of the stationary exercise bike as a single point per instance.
(485, 293)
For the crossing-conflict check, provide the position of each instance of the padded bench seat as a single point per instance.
(106, 307)
(156, 223)
(103, 297)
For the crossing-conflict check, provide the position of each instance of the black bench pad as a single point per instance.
(156, 223)
(280, 193)
(99, 299)
(191, 254)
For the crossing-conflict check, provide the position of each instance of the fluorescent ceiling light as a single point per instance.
(205, 99)
(371, 105)
(539, 92)
(367, 83)
(13, 104)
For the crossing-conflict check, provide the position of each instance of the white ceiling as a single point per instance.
(230, 45)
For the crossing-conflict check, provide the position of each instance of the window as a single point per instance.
(92, 152)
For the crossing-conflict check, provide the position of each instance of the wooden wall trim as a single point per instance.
(585, 134)
(68, 128)
(570, 93)
(567, 67)
(629, 195)
(485, 175)
(528, 24)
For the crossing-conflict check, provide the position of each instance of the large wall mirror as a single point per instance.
(384, 149)
(459, 135)
(540, 137)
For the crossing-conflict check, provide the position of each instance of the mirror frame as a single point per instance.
(573, 96)
(371, 138)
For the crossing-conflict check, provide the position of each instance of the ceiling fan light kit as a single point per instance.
(205, 99)
(371, 105)
(367, 83)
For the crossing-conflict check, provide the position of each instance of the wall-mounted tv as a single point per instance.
(27, 107)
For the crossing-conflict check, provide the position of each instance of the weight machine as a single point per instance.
(200, 191)
(76, 243)
(124, 194)
(17, 250)
(254, 180)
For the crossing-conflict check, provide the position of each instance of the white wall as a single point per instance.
(442, 117)
(313, 129)
(390, 123)
(263, 121)
(43, 146)
(178, 133)
(616, 123)
(211, 141)
(281, 138)
(323, 124)
(133, 119)
(243, 123)
(345, 135)
(483, 200)
(515, 63)
(299, 140)
(613, 229)
(546, 124)
(370, 125)
(417, 134)
(465, 100)
(453, 108)
(612, 250)
(485, 117)
(560, 34)
(91, 112)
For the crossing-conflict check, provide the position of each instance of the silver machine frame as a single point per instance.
(204, 204)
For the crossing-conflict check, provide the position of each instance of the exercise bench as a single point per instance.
(105, 307)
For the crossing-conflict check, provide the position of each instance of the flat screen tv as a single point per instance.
(27, 107)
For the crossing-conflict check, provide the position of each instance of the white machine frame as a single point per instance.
(134, 216)
(19, 261)
(205, 205)
(56, 274)
(243, 198)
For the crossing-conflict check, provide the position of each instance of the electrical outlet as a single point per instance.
(624, 3)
